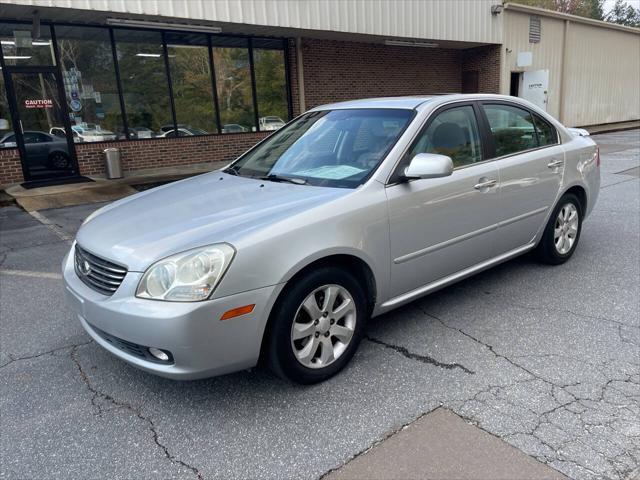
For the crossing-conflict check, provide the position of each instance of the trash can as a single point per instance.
(112, 163)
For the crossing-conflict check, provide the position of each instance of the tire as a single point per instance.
(59, 160)
(297, 359)
(562, 233)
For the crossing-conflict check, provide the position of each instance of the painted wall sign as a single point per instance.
(39, 103)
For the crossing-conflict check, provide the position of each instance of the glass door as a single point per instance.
(41, 130)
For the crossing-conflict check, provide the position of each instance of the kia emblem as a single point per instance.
(85, 268)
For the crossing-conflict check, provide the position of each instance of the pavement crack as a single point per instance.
(41, 354)
(97, 394)
(480, 342)
(420, 358)
(618, 183)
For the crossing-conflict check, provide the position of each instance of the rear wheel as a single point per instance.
(59, 160)
(561, 235)
(316, 326)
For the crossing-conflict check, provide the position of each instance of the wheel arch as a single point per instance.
(348, 261)
(580, 192)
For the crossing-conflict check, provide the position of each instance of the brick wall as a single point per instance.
(10, 167)
(336, 71)
(486, 61)
(142, 154)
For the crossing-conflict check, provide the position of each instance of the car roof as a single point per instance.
(409, 102)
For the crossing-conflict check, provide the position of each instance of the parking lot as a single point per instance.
(546, 358)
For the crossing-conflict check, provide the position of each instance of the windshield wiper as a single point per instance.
(279, 178)
(232, 171)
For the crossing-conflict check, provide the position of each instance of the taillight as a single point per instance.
(597, 156)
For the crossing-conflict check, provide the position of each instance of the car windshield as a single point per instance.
(333, 148)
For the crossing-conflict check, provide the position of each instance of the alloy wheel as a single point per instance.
(59, 160)
(566, 228)
(324, 326)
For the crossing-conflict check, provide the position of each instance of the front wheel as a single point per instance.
(316, 326)
(561, 235)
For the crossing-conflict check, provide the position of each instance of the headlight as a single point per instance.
(189, 276)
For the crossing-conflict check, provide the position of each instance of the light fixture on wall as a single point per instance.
(125, 22)
(407, 43)
(497, 9)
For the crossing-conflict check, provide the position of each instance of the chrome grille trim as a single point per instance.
(103, 276)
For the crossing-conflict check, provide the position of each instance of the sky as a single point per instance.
(608, 4)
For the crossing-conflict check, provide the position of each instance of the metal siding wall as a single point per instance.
(547, 55)
(603, 68)
(459, 20)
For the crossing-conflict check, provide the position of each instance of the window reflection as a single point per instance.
(144, 82)
(191, 83)
(5, 117)
(88, 74)
(91, 94)
(19, 48)
(271, 84)
(233, 82)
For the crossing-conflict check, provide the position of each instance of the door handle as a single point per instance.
(555, 163)
(485, 184)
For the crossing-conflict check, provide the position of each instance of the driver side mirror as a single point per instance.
(429, 165)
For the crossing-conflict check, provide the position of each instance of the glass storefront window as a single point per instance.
(89, 77)
(144, 58)
(233, 82)
(19, 48)
(190, 71)
(271, 83)
(143, 77)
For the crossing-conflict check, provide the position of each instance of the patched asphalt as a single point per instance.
(545, 358)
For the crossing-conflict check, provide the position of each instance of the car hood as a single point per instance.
(139, 230)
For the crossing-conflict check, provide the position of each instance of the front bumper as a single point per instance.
(201, 344)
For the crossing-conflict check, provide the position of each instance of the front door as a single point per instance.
(441, 226)
(41, 127)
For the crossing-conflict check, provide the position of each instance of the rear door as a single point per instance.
(526, 148)
(440, 226)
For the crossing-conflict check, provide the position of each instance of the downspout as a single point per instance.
(300, 70)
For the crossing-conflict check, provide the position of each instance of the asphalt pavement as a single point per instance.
(546, 359)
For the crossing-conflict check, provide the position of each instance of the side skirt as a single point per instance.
(448, 280)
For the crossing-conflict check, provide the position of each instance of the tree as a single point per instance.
(583, 8)
(624, 14)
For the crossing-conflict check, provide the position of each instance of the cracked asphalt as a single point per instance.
(546, 358)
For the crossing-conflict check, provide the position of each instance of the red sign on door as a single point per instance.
(39, 103)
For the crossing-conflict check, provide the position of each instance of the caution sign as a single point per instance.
(38, 103)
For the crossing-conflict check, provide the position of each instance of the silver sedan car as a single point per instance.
(347, 212)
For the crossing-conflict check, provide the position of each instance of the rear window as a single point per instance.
(512, 128)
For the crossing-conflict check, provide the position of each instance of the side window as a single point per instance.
(512, 128)
(31, 137)
(547, 135)
(453, 133)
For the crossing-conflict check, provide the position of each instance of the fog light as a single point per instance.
(159, 354)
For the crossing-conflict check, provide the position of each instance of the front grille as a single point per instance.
(99, 274)
(131, 348)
